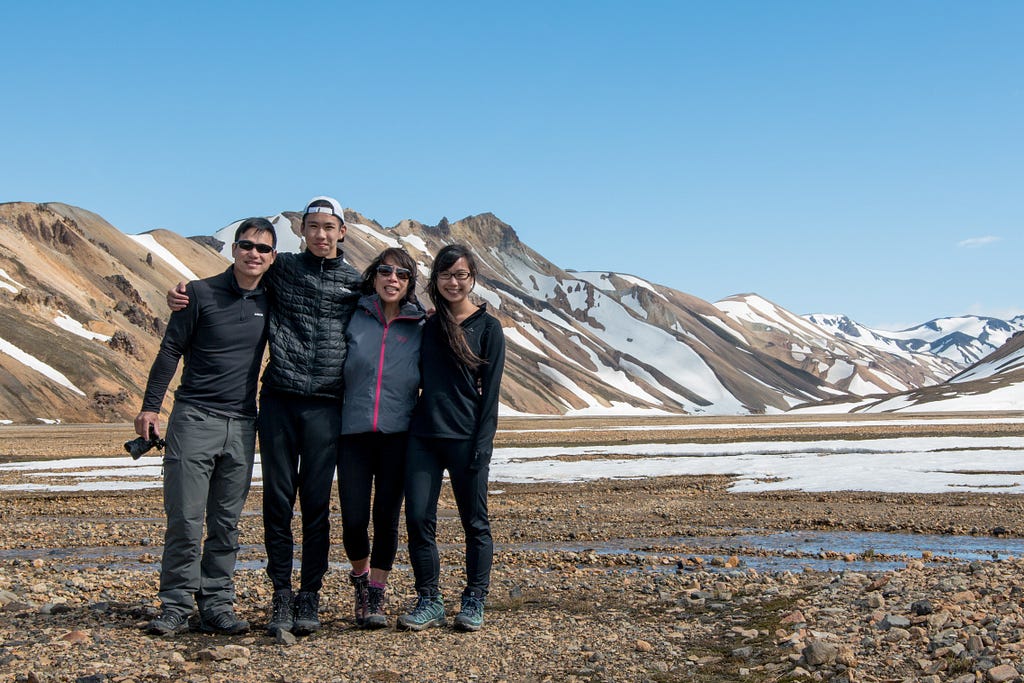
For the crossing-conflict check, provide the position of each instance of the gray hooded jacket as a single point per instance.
(382, 369)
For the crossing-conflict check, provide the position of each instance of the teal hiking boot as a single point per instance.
(471, 616)
(428, 611)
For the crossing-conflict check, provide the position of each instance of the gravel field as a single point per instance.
(78, 579)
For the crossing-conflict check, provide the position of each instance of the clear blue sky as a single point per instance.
(864, 158)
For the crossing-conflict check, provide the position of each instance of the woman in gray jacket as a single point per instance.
(382, 379)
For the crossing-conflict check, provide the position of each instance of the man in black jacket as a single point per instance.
(314, 296)
(211, 435)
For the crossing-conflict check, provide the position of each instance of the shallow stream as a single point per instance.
(776, 552)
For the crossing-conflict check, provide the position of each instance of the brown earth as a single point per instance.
(78, 579)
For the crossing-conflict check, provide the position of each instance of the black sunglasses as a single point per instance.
(386, 270)
(246, 245)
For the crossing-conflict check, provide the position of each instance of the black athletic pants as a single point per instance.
(375, 462)
(299, 455)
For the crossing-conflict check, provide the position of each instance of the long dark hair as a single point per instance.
(402, 258)
(452, 330)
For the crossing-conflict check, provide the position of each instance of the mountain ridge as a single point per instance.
(579, 342)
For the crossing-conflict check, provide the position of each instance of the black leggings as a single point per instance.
(428, 459)
(375, 462)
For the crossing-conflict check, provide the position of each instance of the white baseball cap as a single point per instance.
(334, 209)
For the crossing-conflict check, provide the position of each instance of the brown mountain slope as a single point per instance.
(68, 263)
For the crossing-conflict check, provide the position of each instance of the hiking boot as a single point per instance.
(282, 612)
(376, 608)
(307, 606)
(471, 616)
(225, 623)
(428, 611)
(168, 624)
(361, 584)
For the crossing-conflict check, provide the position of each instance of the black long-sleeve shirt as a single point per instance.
(456, 402)
(221, 334)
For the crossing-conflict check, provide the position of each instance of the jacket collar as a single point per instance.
(237, 289)
(371, 303)
(325, 263)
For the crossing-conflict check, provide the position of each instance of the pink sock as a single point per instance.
(375, 584)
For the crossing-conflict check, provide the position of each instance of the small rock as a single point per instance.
(794, 617)
(921, 608)
(819, 652)
(894, 621)
(76, 637)
(846, 656)
(643, 646)
(877, 583)
(1003, 673)
(897, 635)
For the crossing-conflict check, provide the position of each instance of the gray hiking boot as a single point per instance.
(225, 623)
(168, 624)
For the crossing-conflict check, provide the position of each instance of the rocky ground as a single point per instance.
(78, 578)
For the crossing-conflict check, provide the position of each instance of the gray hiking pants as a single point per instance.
(207, 472)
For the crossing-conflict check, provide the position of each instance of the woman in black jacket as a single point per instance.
(453, 427)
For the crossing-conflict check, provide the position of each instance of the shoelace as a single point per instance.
(472, 606)
(282, 609)
(306, 608)
(375, 601)
(423, 604)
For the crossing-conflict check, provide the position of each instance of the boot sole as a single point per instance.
(167, 632)
(374, 623)
(465, 626)
(305, 629)
(421, 627)
(233, 631)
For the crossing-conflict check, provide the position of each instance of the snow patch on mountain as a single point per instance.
(39, 366)
(147, 241)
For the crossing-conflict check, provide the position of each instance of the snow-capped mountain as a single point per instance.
(996, 383)
(963, 340)
(82, 310)
(846, 357)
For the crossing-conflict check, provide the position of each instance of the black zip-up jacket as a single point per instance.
(456, 402)
(221, 334)
(312, 300)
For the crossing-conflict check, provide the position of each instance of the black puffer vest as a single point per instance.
(312, 300)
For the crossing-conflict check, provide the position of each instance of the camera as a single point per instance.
(138, 447)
